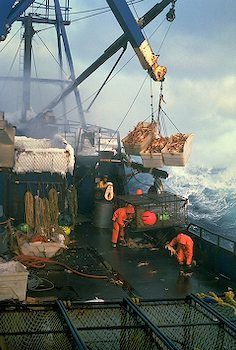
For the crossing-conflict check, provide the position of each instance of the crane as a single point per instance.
(132, 33)
(11, 10)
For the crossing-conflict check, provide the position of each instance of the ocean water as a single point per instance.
(211, 193)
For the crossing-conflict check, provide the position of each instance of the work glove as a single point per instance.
(171, 249)
(127, 222)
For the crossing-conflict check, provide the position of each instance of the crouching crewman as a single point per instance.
(121, 217)
(182, 247)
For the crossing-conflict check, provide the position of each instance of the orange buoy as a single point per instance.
(149, 218)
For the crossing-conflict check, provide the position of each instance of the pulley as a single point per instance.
(170, 16)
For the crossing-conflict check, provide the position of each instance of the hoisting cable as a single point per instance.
(161, 111)
(87, 98)
(36, 74)
(170, 121)
(163, 37)
(37, 262)
(66, 75)
(13, 61)
(10, 40)
(105, 81)
(134, 100)
(161, 99)
(151, 98)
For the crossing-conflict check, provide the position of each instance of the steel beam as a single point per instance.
(154, 330)
(109, 52)
(5, 6)
(79, 342)
(69, 58)
(17, 10)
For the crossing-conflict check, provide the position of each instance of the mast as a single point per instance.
(62, 32)
(49, 12)
(28, 36)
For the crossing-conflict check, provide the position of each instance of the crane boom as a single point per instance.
(135, 36)
(121, 42)
(10, 12)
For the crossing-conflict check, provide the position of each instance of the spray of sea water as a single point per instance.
(211, 193)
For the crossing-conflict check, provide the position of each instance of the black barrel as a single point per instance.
(103, 212)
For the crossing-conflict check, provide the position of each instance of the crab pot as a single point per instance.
(170, 210)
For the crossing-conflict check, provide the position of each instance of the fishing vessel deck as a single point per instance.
(142, 270)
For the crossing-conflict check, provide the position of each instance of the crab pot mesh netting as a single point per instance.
(34, 328)
(159, 324)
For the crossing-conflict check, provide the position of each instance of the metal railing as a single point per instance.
(214, 238)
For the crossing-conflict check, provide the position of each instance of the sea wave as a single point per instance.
(212, 196)
(211, 193)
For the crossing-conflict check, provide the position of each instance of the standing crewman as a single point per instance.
(121, 218)
(183, 251)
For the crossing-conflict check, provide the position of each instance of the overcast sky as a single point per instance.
(199, 51)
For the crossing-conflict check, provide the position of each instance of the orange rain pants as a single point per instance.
(184, 250)
(119, 218)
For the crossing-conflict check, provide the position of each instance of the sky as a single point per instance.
(198, 48)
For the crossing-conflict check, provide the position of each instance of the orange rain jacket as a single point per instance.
(184, 250)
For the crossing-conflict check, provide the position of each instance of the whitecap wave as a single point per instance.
(211, 193)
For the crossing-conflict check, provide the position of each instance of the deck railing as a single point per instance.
(214, 238)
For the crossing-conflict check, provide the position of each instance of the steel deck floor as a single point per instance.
(157, 277)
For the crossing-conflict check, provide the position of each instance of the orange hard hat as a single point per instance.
(139, 192)
(130, 209)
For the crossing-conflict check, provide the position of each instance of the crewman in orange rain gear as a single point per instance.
(183, 251)
(120, 219)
